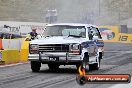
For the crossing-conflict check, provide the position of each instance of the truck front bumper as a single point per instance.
(55, 58)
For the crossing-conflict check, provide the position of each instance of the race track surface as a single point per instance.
(117, 60)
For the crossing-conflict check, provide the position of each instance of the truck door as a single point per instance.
(96, 37)
(91, 44)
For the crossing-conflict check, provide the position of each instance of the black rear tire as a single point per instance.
(95, 66)
(35, 66)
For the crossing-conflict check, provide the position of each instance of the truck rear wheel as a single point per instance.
(35, 66)
(95, 66)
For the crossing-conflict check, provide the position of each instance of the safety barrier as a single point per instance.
(24, 51)
(1, 47)
(9, 56)
(125, 38)
(13, 51)
(1, 61)
(14, 54)
(111, 34)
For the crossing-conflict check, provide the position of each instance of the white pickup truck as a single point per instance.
(67, 44)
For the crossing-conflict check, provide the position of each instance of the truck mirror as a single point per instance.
(90, 36)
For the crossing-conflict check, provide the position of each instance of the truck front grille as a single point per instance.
(54, 48)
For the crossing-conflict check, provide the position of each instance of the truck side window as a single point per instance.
(90, 36)
(95, 32)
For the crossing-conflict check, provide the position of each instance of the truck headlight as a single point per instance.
(33, 49)
(75, 48)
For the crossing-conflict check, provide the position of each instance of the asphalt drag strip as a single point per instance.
(115, 61)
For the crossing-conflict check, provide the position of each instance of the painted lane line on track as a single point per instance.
(21, 78)
(119, 54)
(9, 65)
(118, 51)
(48, 83)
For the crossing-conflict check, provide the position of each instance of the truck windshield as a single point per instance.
(59, 30)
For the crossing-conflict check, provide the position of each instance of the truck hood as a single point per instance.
(58, 40)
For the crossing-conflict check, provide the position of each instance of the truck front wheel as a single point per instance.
(35, 66)
(84, 63)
